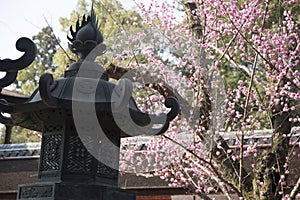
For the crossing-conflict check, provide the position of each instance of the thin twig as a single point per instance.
(123, 28)
(216, 179)
(230, 43)
(295, 190)
(247, 100)
(251, 45)
(201, 194)
(57, 41)
(208, 163)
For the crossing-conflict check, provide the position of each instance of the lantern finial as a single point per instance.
(86, 35)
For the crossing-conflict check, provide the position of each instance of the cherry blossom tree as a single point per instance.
(233, 66)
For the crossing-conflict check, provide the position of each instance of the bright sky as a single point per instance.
(25, 18)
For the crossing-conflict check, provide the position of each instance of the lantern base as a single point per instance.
(68, 191)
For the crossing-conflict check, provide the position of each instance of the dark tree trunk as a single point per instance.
(271, 163)
(7, 138)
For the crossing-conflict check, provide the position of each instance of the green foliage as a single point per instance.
(21, 135)
(112, 20)
(46, 43)
(112, 17)
(28, 78)
(278, 8)
(232, 75)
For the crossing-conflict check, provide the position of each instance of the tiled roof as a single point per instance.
(13, 93)
(20, 150)
(262, 137)
(12, 96)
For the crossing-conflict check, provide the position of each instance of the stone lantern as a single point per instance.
(82, 117)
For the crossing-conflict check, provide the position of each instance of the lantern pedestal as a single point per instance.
(67, 170)
(68, 191)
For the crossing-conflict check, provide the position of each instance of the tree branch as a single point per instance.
(229, 166)
(215, 171)
(201, 194)
(164, 89)
(55, 39)
(295, 190)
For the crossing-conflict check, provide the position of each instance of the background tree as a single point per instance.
(47, 46)
(21, 135)
(112, 17)
(28, 78)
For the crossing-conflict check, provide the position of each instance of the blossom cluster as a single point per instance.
(258, 48)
